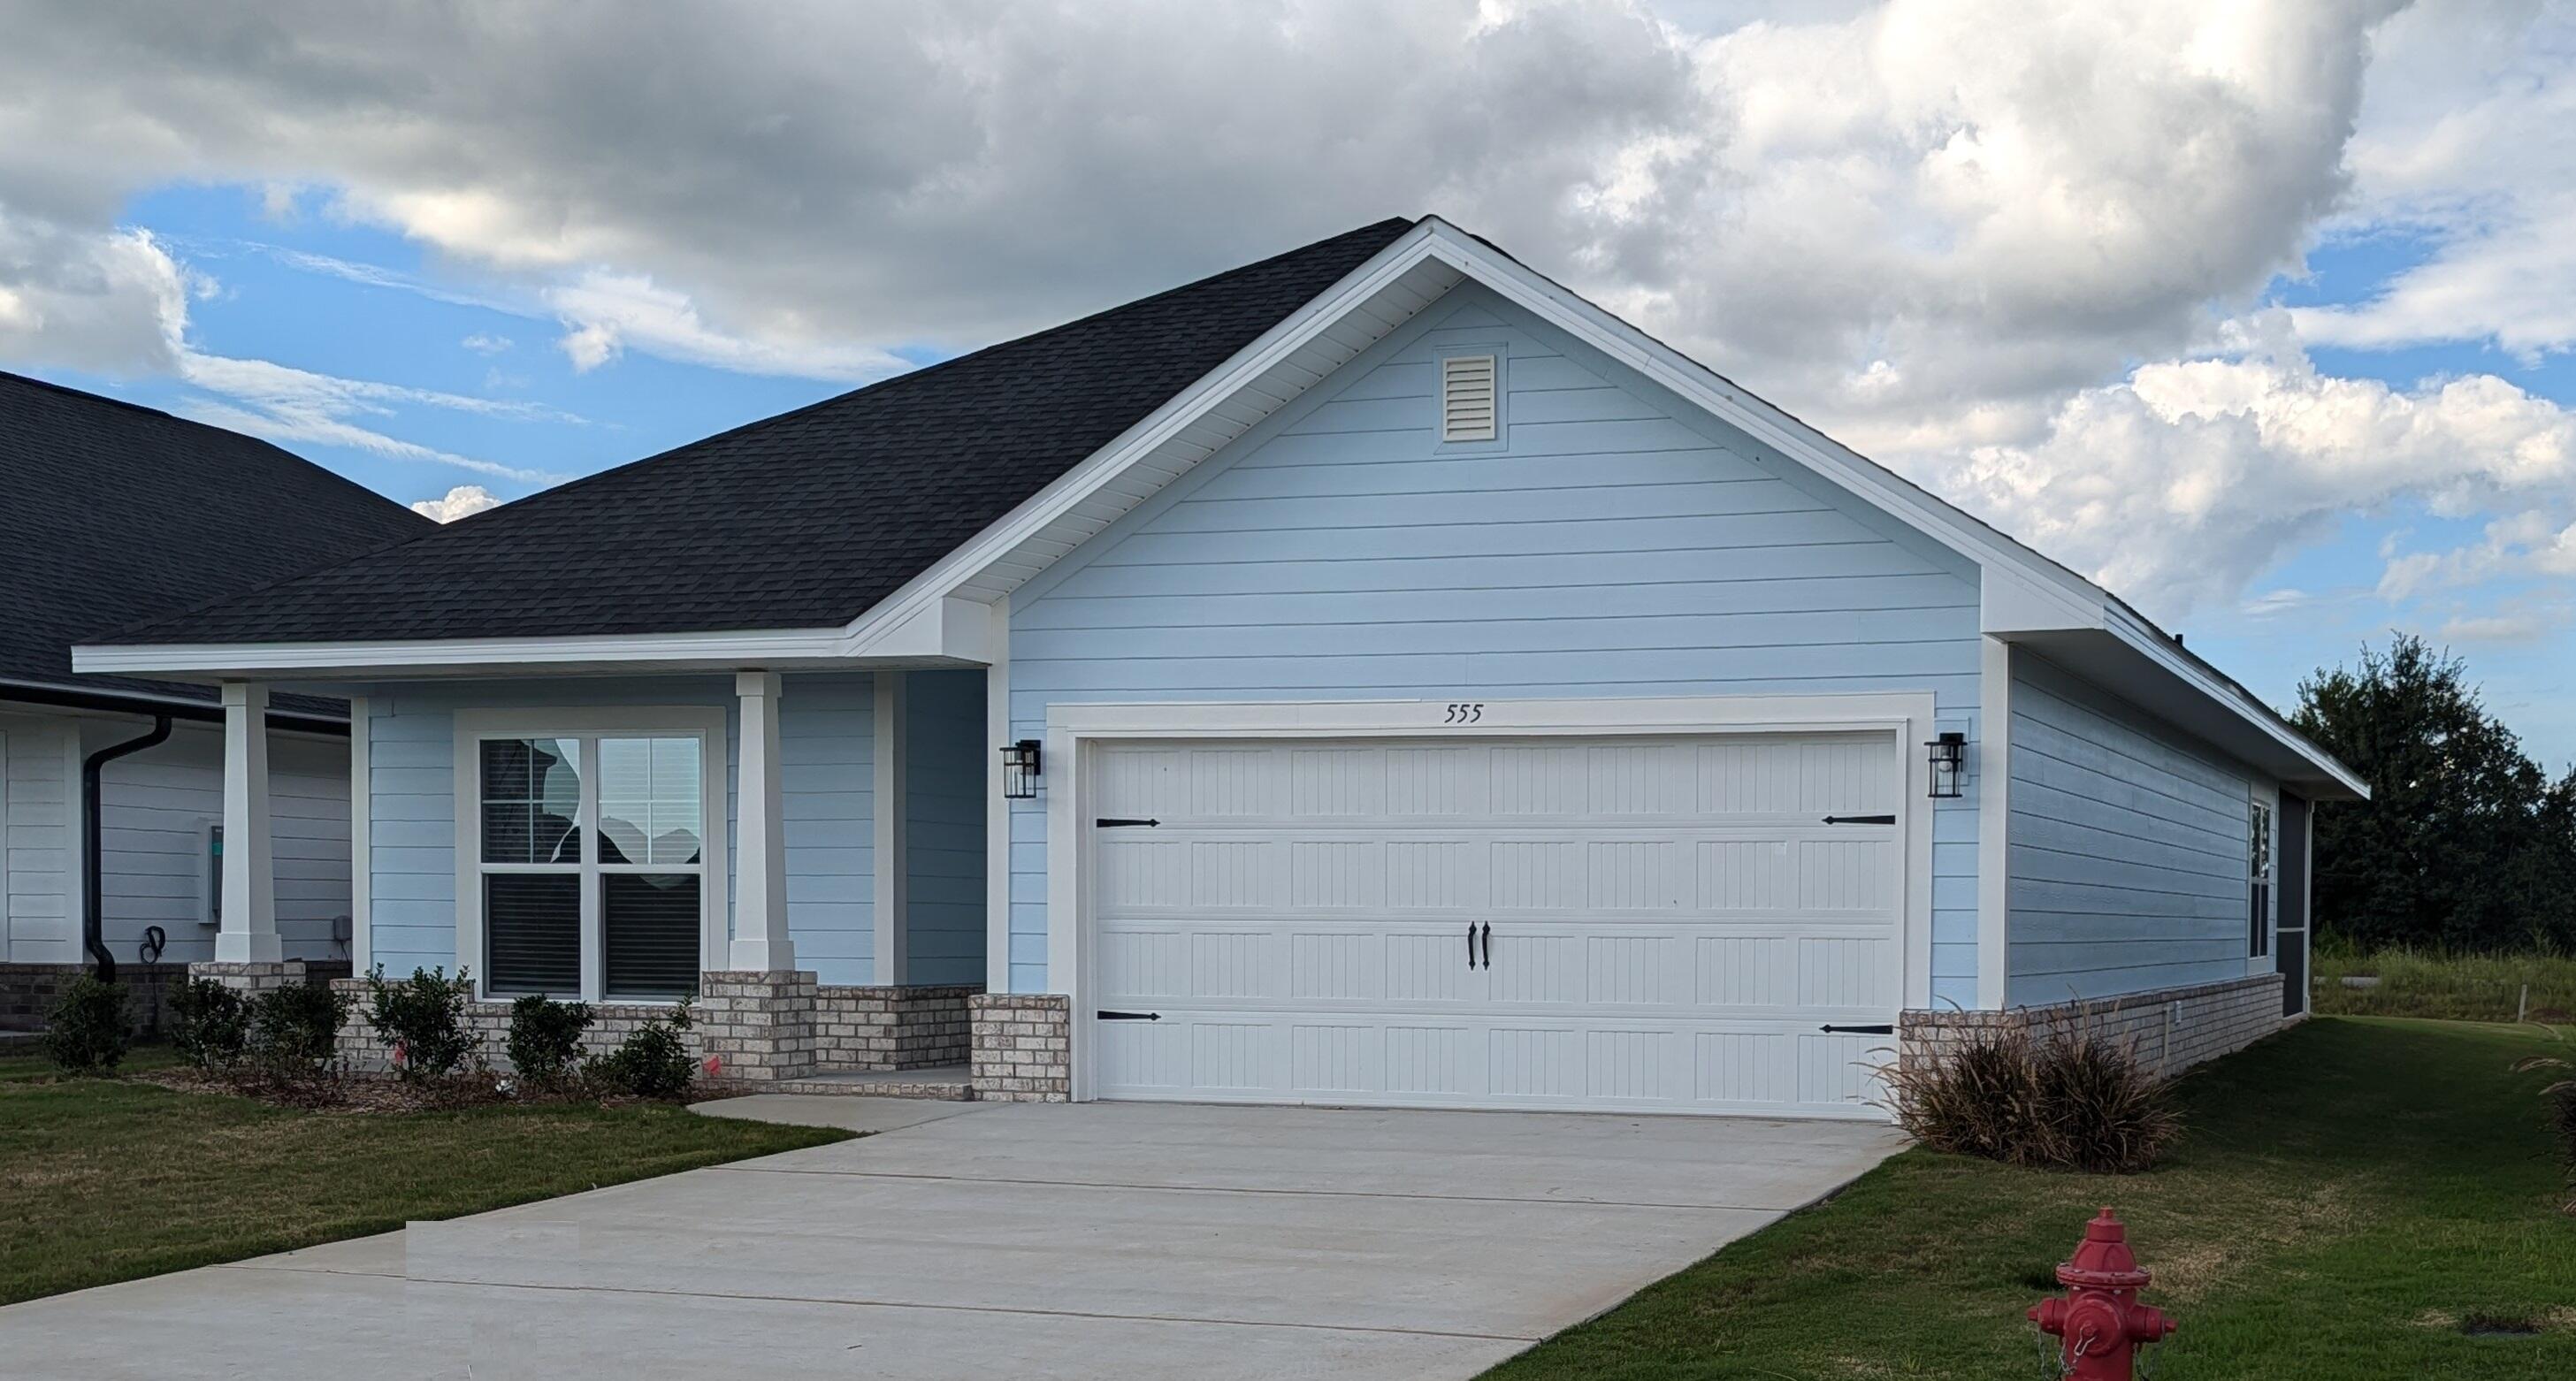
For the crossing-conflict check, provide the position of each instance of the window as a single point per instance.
(591, 868)
(2258, 868)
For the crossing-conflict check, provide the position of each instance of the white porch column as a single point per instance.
(760, 943)
(249, 933)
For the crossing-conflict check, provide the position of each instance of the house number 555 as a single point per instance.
(1465, 713)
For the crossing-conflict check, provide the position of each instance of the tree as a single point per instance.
(2465, 842)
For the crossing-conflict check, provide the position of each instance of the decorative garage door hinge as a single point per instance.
(1861, 1030)
(1129, 1016)
(1860, 819)
(1115, 822)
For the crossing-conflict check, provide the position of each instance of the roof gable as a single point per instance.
(805, 520)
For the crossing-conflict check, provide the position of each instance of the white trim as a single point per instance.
(362, 800)
(248, 934)
(1994, 816)
(707, 722)
(997, 810)
(761, 943)
(888, 959)
(1072, 730)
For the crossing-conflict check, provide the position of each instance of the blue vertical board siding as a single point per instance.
(1613, 541)
(944, 782)
(827, 752)
(827, 792)
(2127, 867)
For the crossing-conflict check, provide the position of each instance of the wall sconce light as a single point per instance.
(1946, 754)
(1020, 770)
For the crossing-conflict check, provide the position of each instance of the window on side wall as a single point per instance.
(591, 864)
(2258, 855)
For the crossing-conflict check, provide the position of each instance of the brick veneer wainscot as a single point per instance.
(1023, 1047)
(2171, 1029)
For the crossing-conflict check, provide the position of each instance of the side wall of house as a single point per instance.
(156, 812)
(38, 834)
(2127, 847)
(1615, 542)
(944, 782)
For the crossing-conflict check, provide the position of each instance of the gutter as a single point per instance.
(92, 931)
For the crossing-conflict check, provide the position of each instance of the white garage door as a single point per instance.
(1620, 923)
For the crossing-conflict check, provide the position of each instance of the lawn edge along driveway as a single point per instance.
(105, 1180)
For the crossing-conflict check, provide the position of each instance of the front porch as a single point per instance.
(814, 861)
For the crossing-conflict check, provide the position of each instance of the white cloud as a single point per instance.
(2468, 141)
(289, 405)
(112, 301)
(463, 501)
(605, 312)
(484, 343)
(2180, 484)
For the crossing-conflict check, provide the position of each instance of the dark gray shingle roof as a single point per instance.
(110, 513)
(804, 520)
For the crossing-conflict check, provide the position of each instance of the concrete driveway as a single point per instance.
(972, 1240)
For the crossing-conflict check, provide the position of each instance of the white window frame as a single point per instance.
(706, 723)
(2265, 873)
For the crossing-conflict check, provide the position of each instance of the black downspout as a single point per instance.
(92, 929)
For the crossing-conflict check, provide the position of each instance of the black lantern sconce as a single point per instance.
(1946, 755)
(1020, 770)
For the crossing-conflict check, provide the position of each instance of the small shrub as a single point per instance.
(87, 1030)
(652, 1062)
(298, 1027)
(209, 1023)
(2057, 1099)
(545, 1038)
(421, 1020)
(2560, 1100)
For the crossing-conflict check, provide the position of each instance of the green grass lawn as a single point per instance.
(2347, 1196)
(104, 1180)
(2455, 987)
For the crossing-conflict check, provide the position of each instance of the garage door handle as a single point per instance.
(1471, 944)
(1489, 944)
(1860, 819)
(1862, 1030)
(1129, 1016)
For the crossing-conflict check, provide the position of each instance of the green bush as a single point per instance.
(209, 1023)
(2060, 1098)
(88, 1029)
(421, 1020)
(652, 1062)
(545, 1038)
(298, 1027)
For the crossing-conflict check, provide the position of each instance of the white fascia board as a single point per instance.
(946, 630)
(2170, 657)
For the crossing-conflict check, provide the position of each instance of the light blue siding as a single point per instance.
(827, 751)
(944, 780)
(1612, 542)
(2127, 846)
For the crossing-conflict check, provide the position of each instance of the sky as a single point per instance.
(2261, 314)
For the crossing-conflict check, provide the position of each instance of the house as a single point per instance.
(116, 513)
(1374, 675)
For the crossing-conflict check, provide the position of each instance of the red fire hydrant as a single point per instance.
(2100, 1319)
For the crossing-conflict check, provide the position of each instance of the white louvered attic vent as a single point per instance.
(1467, 398)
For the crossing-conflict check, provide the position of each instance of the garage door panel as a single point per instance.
(1659, 924)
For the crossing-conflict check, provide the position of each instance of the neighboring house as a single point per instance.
(1374, 675)
(115, 513)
